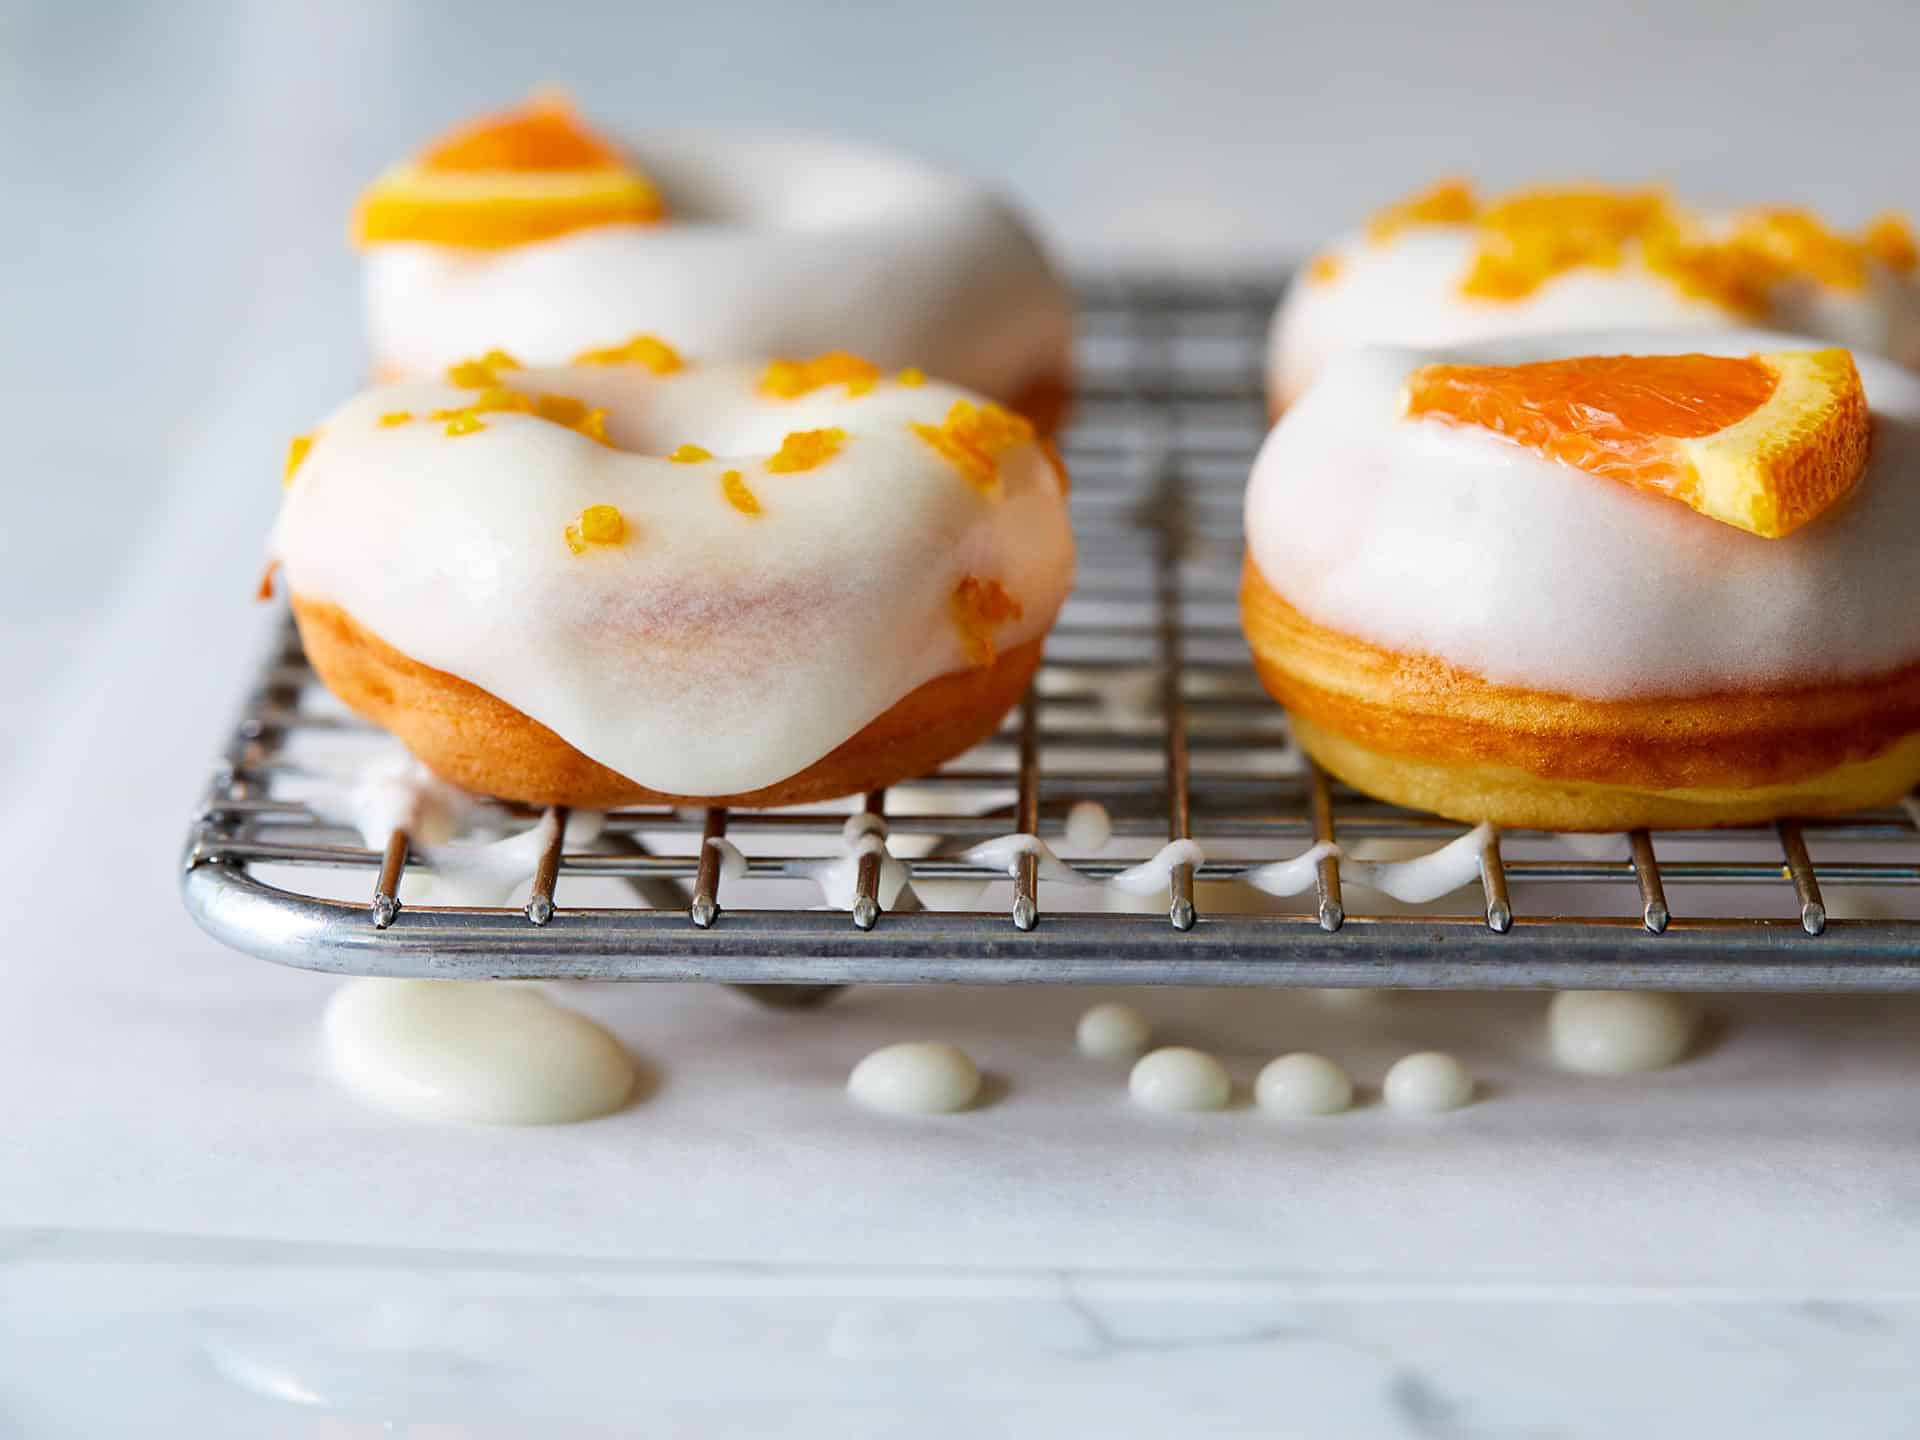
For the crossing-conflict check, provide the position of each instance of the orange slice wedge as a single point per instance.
(522, 175)
(1765, 443)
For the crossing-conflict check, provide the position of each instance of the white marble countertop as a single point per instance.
(180, 303)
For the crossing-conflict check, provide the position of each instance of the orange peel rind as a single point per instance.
(1764, 443)
(523, 175)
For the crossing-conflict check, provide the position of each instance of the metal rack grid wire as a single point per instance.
(1147, 704)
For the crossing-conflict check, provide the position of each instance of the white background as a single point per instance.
(179, 299)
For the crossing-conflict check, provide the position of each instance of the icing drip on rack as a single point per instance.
(1004, 852)
(838, 877)
(489, 872)
(1415, 881)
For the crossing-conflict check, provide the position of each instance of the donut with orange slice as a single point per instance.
(1450, 266)
(531, 231)
(1597, 583)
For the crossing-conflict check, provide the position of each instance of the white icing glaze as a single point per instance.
(838, 878)
(485, 1052)
(1446, 540)
(1619, 1032)
(1291, 877)
(376, 794)
(1112, 1031)
(1150, 876)
(1176, 1077)
(1407, 293)
(1089, 826)
(733, 864)
(1004, 852)
(1415, 879)
(916, 1077)
(712, 651)
(774, 245)
(1154, 875)
(1426, 1082)
(1423, 877)
(490, 872)
(1303, 1084)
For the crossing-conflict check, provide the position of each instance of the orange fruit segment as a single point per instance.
(1764, 443)
(522, 175)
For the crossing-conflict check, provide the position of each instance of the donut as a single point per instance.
(1444, 267)
(639, 578)
(1597, 582)
(528, 231)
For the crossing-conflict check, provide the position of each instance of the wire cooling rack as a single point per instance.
(1147, 705)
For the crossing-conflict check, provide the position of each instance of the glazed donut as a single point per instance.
(1442, 268)
(642, 579)
(1462, 622)
(525, 230)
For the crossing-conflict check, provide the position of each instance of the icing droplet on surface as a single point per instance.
(916, 1077)
(1112, 1031)
(1619, 1032)
(690, 454)
(1089, 826)
(1303, 1084)
(1179, 1078)
(1426, 1083)
(479, 1052)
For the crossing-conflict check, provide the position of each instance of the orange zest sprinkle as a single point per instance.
(297, 449)
(395, 417)
(648, 350)
(978, 608)
(806, 450)
(973, 438)
(738, 495)
(522, 175)
(264, 590)
(788, 379)
(1533, 235)
(911, 376)
(597, 525)
(1449, 202)
(478, 374)
(690, 455)
(1765, 443)
(1530, 237)
(566, 411)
